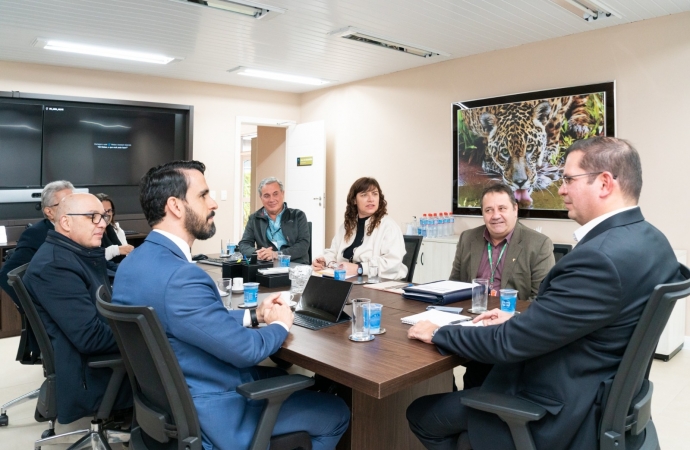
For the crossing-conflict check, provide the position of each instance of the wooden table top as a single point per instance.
(378, 368)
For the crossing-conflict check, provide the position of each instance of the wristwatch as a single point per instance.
(433, 333)
(360, 271)
(254, 319)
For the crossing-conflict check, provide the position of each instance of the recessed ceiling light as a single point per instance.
(245, 71)
(355, 34)
(245, 8)
(106, 52)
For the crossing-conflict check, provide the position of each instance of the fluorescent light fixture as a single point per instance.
(245, 71)
(355, 34)
(588, 9)
(245, 8)
(106, 52)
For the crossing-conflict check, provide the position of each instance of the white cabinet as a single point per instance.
(435, 260)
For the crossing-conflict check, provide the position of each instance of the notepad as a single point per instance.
(440, 318)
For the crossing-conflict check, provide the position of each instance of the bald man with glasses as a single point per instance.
(63, 278)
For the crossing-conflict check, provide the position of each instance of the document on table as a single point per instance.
(443, 287)
(395, 287)
(440, 318)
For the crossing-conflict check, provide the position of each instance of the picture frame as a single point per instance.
(520, 140)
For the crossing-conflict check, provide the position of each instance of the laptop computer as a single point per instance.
(322, 303)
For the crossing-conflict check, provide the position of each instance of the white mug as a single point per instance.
(237, 284)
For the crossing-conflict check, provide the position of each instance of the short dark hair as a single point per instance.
(162, 182)
(497, 188)
(610, 154)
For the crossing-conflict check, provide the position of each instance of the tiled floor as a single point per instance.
(670, 407)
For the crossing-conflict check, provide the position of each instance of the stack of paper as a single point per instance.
(274, 270)
(440, 318)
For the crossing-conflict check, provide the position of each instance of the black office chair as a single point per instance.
(46, 408)
(560, 250)
(25, 356)
(627, 408)
(412, 245)
(310, 237)
(164, 412)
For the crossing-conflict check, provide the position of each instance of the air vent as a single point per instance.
(355, 34)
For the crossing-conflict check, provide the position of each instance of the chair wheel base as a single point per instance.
(4, 420)
(48, 433)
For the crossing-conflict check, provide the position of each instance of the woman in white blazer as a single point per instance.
(367, 235)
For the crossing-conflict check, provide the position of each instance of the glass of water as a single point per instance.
(299, 276)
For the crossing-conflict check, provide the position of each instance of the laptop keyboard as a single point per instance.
(311, 322)
(213, 261)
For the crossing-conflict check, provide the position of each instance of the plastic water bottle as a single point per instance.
(432, 226)
(452, 224)
(446, 219)
(423, 231)
(439, 225)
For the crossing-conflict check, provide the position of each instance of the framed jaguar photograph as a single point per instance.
(520, 140)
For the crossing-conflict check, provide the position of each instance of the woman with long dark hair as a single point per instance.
(367, 235)
(114, 241)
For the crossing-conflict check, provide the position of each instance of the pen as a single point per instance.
(455, 322)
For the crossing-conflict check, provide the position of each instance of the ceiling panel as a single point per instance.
(212, 41)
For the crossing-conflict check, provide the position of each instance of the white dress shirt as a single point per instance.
(581, 232)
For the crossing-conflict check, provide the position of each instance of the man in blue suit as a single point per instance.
(563, 351)
(216, 349)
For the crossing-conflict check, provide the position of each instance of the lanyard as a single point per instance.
(491, 266)
(272, 234)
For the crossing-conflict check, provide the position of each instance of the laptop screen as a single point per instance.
(324, 298)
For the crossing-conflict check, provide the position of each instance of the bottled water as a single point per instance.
(452, 224)
(423, 226)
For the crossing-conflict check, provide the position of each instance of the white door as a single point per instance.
(305, 177)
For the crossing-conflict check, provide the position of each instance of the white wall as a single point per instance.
(397, 127)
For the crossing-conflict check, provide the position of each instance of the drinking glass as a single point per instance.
(508, 300)
(360, 325)
(299, 277)
(480, 295)
(373, 272)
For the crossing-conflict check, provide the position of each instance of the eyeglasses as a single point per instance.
(95, 217)
(567, 179)
(53, 206)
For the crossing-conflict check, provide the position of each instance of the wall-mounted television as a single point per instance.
(101, 145)
(520, 140)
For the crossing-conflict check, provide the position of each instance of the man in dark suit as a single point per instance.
(63, 278)
(216, 348)
(503, 251)
(34, 236)
(570, 341)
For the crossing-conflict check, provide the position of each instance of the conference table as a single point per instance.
(381, 377)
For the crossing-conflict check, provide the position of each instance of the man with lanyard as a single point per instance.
(503, 251)
(275, 227)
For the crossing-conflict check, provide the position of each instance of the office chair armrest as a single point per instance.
(507, 407)
(109, 361)
(274, 387)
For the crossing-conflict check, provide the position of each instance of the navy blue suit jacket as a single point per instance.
(216, 353)
(571, 339)
(63, 278)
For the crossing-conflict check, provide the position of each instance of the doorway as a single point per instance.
(293, 153)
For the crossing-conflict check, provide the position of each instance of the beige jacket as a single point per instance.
(527, 261)
(386, 244)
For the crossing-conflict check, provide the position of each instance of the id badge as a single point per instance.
(494, 293)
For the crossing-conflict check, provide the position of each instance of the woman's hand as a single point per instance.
(125, 249)
(319, 263)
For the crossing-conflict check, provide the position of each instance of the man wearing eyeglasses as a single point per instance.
(34, 236)
(63, 278)
(565, 349)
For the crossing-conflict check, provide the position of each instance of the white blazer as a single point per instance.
(386, 245)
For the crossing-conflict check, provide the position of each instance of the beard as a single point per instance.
(198, 227)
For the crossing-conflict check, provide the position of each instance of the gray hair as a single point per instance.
(52, 188)
(270, 180)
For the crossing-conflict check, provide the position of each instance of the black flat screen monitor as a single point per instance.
(106, 146)
(324, 298)
(20, 145)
